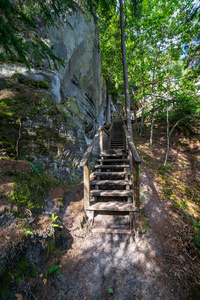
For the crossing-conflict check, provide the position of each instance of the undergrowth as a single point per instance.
(184, 197)
(30, 189)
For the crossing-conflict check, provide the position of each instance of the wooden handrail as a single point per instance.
(130, 142)
(90, 148)
(136, 161)
(132, 146)
(106, 131)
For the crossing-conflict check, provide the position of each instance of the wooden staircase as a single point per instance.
(110, 204)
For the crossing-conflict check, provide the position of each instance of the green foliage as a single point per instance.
(55, 221)
(52, 270)
(21, 269)
(51, 247)
(110, 291)
(37, 169)
(5, 281)
(156, 34)
(38, 84)
(30, 189)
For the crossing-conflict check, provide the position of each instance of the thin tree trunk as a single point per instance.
(167, 151)
(143, 104)
(135, 114)
(142, 121)
(19, 137)
(168, 94)
(152, 122)
(153, 94)
(108, 113)
(108, 102)
(124, 61)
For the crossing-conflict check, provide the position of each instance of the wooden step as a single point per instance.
(111, 173)
(113, 206)
(112, 160)
(110, 166)
(116, 147)
(111, 193)
(117, 140)
(113, 155)
(111, 231)
(114, 182)
(118, 152)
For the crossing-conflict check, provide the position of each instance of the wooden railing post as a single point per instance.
(86, 172)
(136, 185)
(124, 137)
(85, 163)
(101, 141)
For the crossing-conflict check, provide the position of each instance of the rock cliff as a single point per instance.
(76, 42)
(55, 135)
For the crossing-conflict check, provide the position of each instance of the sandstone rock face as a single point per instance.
(76, 42)
(76, 89)
(36, 128)
(77, 85)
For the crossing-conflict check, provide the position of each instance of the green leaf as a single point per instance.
(53, 269)
(110, 291)
(29, 233)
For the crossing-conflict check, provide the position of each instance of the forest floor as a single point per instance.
(160, 260)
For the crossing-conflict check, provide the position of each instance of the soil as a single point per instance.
(158, 261)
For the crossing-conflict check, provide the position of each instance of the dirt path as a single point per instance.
(132, 267)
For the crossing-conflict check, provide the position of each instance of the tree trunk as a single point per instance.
(135, 113)
(108, 113)
(168, 92)
(124, 61)
(108, 103)
(153, 94)
(167, 151)
(144, 97)
(152, 122)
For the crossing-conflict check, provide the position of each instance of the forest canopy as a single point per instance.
(163, 58)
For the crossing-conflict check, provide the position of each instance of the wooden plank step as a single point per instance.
(117, 141)
(113, 160)
(111, 231)
(111, 173)
(118, 152)
(111, 193)
(113, 154)
(116, 147)
(110, 166)
(115, 182)
(113, 206)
